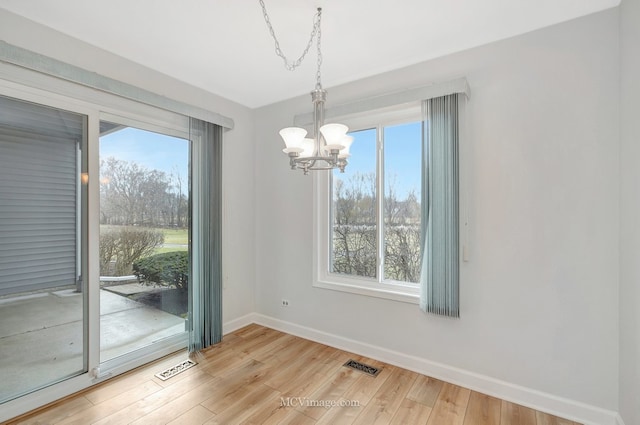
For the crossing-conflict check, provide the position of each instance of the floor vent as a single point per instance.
(173, 371)
(369, 370)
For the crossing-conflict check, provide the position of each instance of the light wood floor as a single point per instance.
(261, 376)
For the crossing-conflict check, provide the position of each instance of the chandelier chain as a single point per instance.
(292, 65)
(318, 83)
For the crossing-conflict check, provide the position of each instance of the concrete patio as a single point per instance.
(41, 334)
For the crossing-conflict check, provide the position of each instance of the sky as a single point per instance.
(402, 156)
(155, 151)
(402, 147)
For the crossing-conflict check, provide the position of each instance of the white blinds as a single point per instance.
(38, 196)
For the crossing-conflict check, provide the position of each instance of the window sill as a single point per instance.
(389, 291)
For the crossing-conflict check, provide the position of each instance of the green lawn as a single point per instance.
(171, 237)
(176, 236)
(163, 249)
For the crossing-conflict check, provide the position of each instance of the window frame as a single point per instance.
(322, 215)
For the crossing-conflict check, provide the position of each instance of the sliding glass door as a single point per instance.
(47, 302)
(96, 256)
(43, 296)
(144, 237)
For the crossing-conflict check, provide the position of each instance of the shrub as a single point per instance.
(108, 252)
(167, 269)
(126, 245)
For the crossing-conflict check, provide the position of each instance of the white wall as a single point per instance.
(539, 298)
(630, 213)
(239, 276)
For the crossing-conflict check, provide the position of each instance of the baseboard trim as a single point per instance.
(558, 406)
(240, 322)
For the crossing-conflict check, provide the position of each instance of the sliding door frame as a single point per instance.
(96, 106)
(170, 344)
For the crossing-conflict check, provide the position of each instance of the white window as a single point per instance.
(365, 220)
(369, 217)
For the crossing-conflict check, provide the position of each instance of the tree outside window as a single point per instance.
(376, 219)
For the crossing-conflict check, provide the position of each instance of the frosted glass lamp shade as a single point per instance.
(308, 147)
(346, 142)
(293, 136)
(334, 133)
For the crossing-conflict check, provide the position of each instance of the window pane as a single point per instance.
(42, 297)
(353, 206)
(144, 228)
(402, 195)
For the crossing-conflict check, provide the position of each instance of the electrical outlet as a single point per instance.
(285, 303)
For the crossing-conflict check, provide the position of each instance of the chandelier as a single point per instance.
(329, 147)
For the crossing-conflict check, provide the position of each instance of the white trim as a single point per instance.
(403, 294)
(238, 323)
(92, 318)
(538, 400)
(387, 117)
(178, 128)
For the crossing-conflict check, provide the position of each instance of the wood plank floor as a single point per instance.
(261, 376)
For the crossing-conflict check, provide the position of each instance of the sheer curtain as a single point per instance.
(439, 282)
(205, 284)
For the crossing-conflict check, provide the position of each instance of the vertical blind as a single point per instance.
(205, 287)
(39, 180)
(439, 286)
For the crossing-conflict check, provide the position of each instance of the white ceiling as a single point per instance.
(224, 47)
